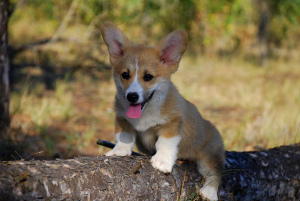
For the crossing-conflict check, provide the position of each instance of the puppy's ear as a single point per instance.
(115, 40)
(172, 47)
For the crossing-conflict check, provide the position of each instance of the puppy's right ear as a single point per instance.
(115, 40)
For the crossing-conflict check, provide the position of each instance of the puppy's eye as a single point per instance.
(148, 77)
(125, 75)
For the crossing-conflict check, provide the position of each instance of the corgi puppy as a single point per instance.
(151, 112)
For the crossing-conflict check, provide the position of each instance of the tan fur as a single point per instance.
(176, 117)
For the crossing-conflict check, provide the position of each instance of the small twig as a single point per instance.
(13, 157)
(23, 159)
(19, 155)
(172, 179)
(136, 169)
(33, 154)
(105, 144)
(183, 181)
(112, 145)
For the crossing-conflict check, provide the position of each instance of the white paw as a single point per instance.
(162, 163)
(209, 193)
(119, 151)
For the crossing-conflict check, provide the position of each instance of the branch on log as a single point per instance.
(265, 175)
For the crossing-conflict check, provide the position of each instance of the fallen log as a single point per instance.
(263, 175)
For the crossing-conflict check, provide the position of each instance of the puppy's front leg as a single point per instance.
(166, 148)
(124, 137)
(124, 144)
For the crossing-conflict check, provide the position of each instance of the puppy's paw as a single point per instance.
(209, 193)
(119, 151)
(162, 163)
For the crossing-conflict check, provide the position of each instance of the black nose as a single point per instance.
(132, 97)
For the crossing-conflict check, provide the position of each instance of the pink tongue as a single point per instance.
(134, 111)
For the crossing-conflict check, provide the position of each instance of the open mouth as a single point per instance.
(147, 99)
(135, 110)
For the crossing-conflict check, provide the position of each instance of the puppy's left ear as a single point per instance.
(172, 47)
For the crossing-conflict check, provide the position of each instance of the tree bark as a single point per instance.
(264, 175)
(4, 73)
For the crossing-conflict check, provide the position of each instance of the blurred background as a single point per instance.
(241, 69)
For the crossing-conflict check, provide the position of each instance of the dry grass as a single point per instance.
(249, 105)
(67, 120)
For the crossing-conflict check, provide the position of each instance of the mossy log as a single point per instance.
(262, 175)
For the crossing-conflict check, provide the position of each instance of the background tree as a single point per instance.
(4, 75)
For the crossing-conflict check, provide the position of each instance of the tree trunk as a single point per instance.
(265, 175)
(4, 74)
(263, 29)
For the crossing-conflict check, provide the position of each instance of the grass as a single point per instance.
(42, 107)
(251, 106)
(66, 121)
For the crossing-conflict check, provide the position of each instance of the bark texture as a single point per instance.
(264, 175)
(4, 73)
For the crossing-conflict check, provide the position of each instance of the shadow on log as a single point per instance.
(263, 175)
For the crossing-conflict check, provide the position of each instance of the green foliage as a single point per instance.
(223, 25)
(285, 15)
(176, 14)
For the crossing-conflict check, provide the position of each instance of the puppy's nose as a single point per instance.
(132, 97)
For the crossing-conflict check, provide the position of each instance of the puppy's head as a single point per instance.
(138, 70)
